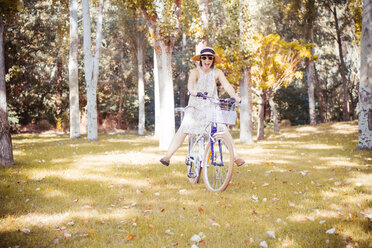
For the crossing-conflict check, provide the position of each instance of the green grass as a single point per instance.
(115, 193)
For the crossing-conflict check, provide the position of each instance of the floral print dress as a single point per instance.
(195, 119)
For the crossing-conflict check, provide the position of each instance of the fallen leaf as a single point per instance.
(331, 231)
(311, 218)
(162, 210)
(151, 226)
(263, 244)
(25, 230)
(67, 235)
(91, 231)
(149, 207)
(270, 234)
(201, 210)
(195, 238)
(130, 237)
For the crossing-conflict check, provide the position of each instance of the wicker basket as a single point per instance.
(224, 113)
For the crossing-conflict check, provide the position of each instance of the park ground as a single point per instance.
(306, 186)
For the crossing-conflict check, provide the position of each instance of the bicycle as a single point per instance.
(215, 159)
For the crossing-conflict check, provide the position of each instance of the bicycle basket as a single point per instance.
(224, 112)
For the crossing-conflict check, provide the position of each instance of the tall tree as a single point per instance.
(7, 8)
(365, 86)
(309, 19)
(162, 19)
(275, 66)
(202, 37)
(73, 71)
(141, 84)
(237, 50)
(332, 8)
(91, 66)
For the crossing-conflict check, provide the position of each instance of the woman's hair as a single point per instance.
(200, 63)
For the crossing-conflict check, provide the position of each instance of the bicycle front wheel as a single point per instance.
(218, 163)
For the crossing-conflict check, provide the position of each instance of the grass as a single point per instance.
(298, 183)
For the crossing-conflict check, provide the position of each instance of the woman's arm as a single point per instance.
(193, 77)
(226, 85)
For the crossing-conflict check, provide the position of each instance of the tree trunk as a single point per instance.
(261, 116)
(141, 86)
(156, 95)
(166, 94)
(246, 125)
(310, 91)
(73, 72)
(319, 93)
(346, 110)
(273, 111)
(310, 70)
(365, 85)
(204, 41)
(6, 148)
(91, 66)
(183, 77)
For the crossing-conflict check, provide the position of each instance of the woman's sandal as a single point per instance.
(165, 161)
(239, 161)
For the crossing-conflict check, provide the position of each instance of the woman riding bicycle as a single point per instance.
(202, 79)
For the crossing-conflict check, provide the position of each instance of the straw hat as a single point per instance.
(207, 51)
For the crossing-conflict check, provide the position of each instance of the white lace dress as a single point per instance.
(195, 119)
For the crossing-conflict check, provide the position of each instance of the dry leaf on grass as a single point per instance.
(270, 234)
(331, 231)
(263, 244)
(130, 237)
(25, 230)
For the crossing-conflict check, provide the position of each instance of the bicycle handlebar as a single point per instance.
(204, 95)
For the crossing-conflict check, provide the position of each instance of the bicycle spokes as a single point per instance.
(219, 163)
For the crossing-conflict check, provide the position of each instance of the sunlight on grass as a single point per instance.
(297, 185)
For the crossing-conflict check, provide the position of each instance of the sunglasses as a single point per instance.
(205, 57)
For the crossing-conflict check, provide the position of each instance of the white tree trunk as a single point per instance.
(73, 71)
(91, 66)
(261, 116)
(156, 96)
(246, 125)
(166, 95)
(6, 147)
(204, 9)
(274, 112)
(365, 86)
(141, 87)
(310, 92)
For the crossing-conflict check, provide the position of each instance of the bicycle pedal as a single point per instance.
(191, 175)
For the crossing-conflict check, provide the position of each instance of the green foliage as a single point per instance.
(276, 61)
(10, 6)
(292, 104)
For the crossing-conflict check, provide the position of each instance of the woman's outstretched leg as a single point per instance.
(176, 142)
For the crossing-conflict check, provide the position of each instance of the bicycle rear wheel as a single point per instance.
(193, 161)
(218, 163)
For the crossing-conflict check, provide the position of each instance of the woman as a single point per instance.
(201, 79)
